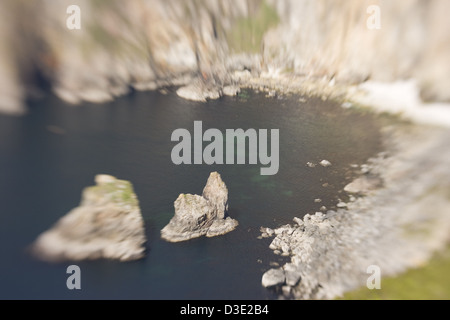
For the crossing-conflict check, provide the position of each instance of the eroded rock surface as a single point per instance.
(196, 216)
(107, 224)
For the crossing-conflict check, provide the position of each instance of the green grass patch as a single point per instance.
(247, 33)
(431, 282)
(119, 191)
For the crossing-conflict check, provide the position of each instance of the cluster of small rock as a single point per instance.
(296, 241)
(323, 163)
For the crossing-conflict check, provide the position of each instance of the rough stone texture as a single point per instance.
(107, 224)
(193, 217)
(397, 226)
(196, 215)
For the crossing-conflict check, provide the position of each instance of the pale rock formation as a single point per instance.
(196, 215)
(107, 224)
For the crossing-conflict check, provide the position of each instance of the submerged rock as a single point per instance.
(196, 216)
(107, 224)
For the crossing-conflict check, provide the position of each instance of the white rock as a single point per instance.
(273, 277)
(298, 221)
(325, 163)
(341, 205)
(231, 90)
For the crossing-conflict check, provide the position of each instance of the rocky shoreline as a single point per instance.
(395, 225)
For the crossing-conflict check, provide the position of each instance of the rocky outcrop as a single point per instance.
(196, 216)
(107, 224)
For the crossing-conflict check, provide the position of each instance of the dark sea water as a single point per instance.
(48, 156)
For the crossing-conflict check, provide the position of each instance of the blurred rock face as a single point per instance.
(339, 38)
(108, 224)
(145, 44)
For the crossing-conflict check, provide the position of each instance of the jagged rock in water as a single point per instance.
(107, 224)
(196, 216)
(193, 216)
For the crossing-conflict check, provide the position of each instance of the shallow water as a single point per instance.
(48, 156)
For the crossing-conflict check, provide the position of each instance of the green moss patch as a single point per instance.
(120, 192)
(431, 282)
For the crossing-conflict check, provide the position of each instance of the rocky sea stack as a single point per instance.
(107, 224)
(196, 216)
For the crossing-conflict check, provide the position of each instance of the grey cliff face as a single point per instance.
(196, 216)
(107, 224)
